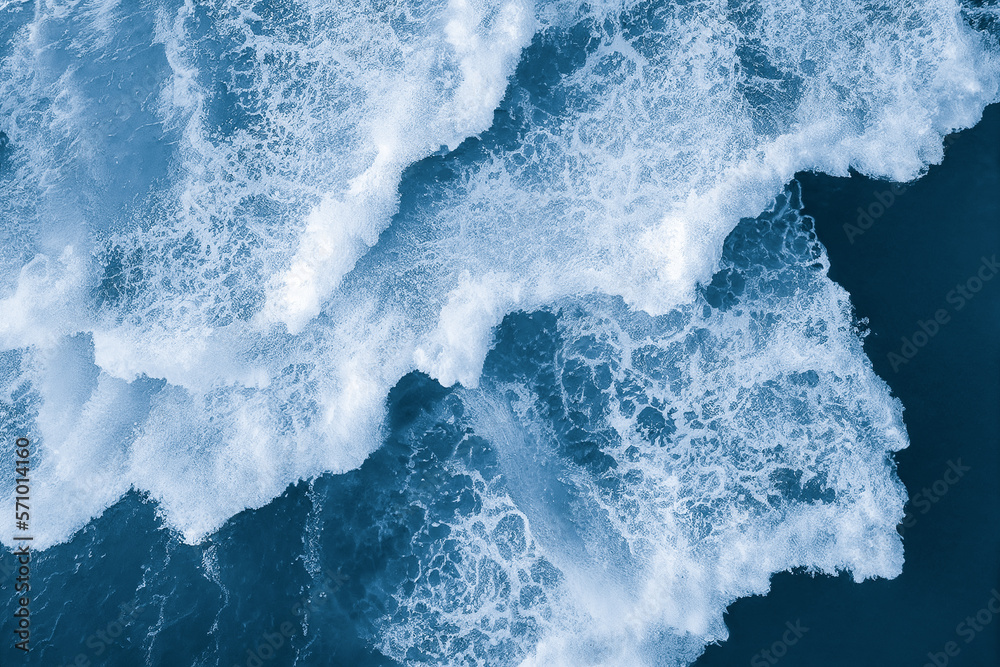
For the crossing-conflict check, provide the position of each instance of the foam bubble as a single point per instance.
(662, 466)
(227, 188)
(408, 109)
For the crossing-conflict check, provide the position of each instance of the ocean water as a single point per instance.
(493, 333)
(899, 272)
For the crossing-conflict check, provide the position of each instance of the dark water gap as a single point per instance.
(905, 253)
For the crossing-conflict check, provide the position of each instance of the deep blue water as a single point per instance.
(899, 272)
(500, 334)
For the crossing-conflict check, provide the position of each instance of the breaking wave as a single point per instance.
(230, 230)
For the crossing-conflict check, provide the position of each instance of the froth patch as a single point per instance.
(409, 111)
(258, 290)
(666, 466)
(47, 302)
(455, 350)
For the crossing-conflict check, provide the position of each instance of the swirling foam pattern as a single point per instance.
(230, 228)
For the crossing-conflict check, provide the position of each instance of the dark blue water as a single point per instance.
(899, 272)
(424, 334)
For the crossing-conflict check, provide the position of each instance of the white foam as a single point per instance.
(779, 458)
(408, 111)
(258, 279)
(46, 301)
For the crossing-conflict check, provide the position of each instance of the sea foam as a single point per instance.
(651, 470)
(229, 229)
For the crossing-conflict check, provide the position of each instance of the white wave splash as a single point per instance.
(203, 296)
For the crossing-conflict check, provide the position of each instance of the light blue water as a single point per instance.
(446, 333)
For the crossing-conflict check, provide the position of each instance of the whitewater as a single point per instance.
(230, 230)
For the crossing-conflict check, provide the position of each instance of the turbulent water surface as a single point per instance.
(503, 318)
